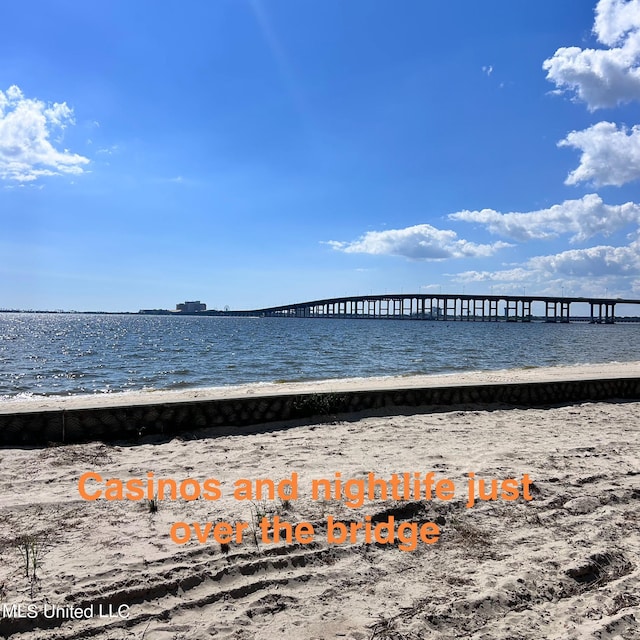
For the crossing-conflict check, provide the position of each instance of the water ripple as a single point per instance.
(66, 354)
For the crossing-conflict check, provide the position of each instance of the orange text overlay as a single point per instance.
(352, 492)
(275, 530)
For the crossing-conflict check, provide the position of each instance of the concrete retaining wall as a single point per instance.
(132, 422)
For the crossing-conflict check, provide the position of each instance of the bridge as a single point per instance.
(443, 307)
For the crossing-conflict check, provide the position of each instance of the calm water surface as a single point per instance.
(66, 354)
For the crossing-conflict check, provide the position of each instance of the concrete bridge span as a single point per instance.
(444, 307)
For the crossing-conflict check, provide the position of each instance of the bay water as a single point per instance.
(68, 354)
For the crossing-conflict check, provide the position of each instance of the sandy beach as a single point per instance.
(561, 561)
(154, 396)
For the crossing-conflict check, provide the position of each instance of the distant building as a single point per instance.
(191, 307)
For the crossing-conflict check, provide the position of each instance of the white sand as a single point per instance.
(565, 565)
(540, 374)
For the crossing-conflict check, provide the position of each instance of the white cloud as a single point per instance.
(26, 152)
(583, 218)
(419, 242)
(603, 77)
(109, 151)
(488, 69)
(591, 262)
(579, 271)
(616, 18)
(516, 275)
(610, 156)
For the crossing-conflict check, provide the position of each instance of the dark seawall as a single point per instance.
(132, 422)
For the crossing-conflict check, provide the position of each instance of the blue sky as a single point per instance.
(259, 152)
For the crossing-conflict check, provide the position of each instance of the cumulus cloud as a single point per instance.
(582, 271)
(419, 242)
(590, 262)
(516, 275)
(616, 18)
(26, 151)
(583, 218)
(603, 77)
(610, 155)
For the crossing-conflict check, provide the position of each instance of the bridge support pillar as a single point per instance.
(493, 310)
(478, 306)
(610, 316)
(609, 313)
(511, 311)
(465, 313)
(449, 311)
(434, 312)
